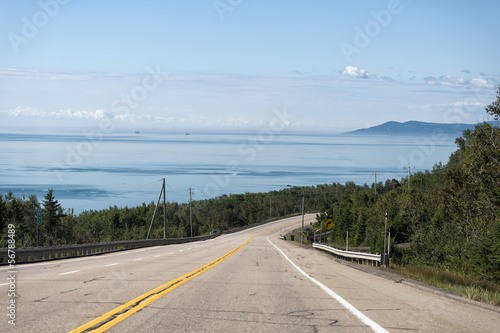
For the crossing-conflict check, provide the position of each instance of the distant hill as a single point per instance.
(414, 128)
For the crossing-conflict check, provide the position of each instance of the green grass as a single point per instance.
(297, 233)
(476, 289)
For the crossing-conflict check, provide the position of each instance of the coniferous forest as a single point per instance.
(447, 217)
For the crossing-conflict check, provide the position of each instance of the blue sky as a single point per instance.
(227, 64)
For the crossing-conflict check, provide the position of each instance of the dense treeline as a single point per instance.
(449, 216)
(62, 227)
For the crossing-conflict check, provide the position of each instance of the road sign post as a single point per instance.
(388, 246)
(385, 231)
(303, 198)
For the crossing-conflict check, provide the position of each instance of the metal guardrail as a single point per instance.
(49, 253)
(24, 255)
(230, 231)
(363, 257)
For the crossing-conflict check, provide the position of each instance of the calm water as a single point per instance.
(96, 171)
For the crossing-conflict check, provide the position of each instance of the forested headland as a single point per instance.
(449, 216)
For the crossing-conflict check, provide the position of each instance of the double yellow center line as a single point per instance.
(124, 311)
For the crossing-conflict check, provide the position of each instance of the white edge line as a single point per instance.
(109, 265)
(138, 259)
(68, 272)
(367, 321)
(4, 284)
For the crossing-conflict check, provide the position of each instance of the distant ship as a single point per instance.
(187, 133)
(137, 132)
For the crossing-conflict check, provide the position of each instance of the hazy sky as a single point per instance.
(227, 64)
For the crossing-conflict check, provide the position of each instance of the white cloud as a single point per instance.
(481, 83)
(462, 104)
(469, 105)
(75, 114)
(355, 72)
(24, 112)
(34, 75)
(460, 82)
(195, 119)
(446, 80)
(240, 121)
(126, 117)
(164, 119)
(78, 114)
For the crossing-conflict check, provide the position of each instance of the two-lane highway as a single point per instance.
(250, 281)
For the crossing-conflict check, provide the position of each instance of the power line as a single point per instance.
(190, 211)
(409, 174)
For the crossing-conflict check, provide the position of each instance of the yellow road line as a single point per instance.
(124, 311)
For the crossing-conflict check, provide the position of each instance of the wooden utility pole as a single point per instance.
(164, 211)
(375, 182)
(156, 207)
(408, 176)
(190, 212)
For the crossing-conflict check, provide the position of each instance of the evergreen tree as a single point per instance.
(51, 213)
(494, 108)
(3, 207)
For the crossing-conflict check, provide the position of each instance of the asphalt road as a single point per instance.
(250, 281)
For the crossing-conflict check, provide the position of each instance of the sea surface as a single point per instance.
(92, 170)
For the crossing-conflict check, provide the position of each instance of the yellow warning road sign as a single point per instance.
(328, 224)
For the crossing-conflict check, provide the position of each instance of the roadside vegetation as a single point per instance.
(61, 227)
(448, 217)
(471, 287)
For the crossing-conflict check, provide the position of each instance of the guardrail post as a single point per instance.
(385, 259)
